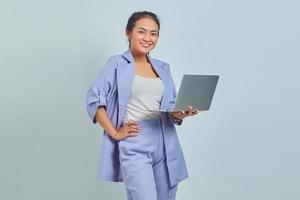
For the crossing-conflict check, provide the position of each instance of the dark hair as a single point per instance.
(138, 15)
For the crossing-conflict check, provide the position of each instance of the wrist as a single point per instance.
(115, 135)
(176, 118)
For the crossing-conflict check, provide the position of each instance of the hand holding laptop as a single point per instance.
(184, 113)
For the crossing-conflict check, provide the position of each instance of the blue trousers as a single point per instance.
(143, 164)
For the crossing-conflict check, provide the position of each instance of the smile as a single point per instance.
(146, 45)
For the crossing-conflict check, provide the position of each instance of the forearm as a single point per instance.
(102, 118)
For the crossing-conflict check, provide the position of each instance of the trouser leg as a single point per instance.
(163, 188)
(144, 167)
(136, 159)
(141, 185)
(160, 170)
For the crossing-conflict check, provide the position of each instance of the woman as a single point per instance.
(140, 147)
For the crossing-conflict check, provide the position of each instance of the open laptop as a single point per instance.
(195, 90)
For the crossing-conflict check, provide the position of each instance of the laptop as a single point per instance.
(195, 90)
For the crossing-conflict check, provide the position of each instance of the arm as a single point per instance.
(127, 130)
(177, 117)
(105, 122)
(96, 102)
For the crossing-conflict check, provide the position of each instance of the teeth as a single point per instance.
(145, 45)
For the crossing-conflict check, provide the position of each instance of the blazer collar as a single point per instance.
(130, 59)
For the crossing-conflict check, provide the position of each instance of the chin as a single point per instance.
(143, 51)
(147, 50)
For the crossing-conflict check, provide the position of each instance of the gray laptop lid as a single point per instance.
(197, 91)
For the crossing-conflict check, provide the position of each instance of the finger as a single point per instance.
(131, 122)
(190, 110)
(133, 133)
(135, 127)
(134, 130)
(194, 113)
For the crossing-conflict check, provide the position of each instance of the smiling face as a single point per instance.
(144, 36)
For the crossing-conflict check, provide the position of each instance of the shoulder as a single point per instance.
(114, 60)
(112, 63)
(118, 59)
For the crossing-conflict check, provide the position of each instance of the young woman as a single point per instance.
(140, 147)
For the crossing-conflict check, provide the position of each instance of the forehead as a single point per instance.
(146, 23)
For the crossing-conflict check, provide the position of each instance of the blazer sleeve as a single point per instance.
(101, 87)
(174, 94)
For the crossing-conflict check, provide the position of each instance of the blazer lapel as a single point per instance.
(125, 75)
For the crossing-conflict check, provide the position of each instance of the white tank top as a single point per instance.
(146, 93)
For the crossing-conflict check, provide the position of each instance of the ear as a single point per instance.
(128, 34)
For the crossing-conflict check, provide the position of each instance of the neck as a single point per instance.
(139, 58)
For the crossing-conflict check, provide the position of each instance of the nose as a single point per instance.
(146, 37)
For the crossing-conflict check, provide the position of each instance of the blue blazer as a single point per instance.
(112, 89)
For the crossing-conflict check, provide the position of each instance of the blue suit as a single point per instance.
(112, 89)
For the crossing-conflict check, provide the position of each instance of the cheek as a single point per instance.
(155, 40)
(134, 42)
(136, 39)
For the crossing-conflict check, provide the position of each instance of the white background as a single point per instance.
(246, 147)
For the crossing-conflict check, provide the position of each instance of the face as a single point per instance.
(144, 36)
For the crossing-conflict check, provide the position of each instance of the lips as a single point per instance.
(145, 45)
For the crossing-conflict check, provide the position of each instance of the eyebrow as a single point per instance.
(146, 29)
